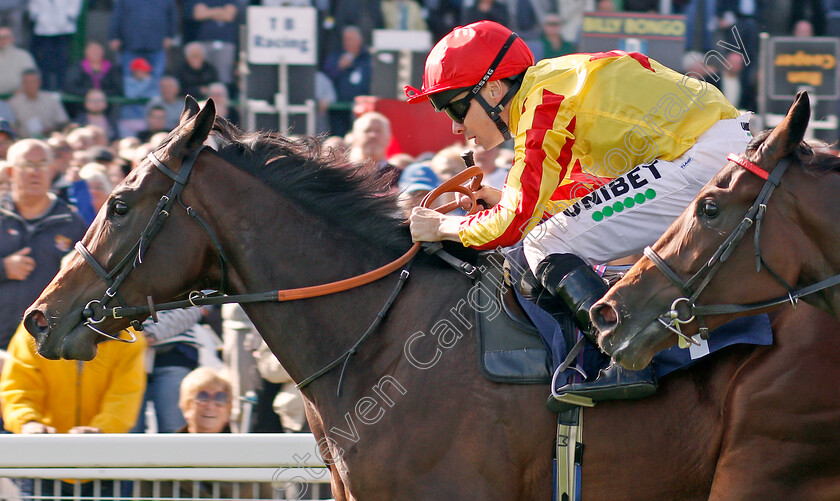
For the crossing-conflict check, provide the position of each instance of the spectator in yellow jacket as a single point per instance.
(68, 396)
(64, 396)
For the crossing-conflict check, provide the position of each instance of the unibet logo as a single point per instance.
(621, 188)
(627, 203)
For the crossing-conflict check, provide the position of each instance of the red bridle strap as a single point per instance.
(743, 162)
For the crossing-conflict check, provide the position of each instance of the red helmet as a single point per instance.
(462, 58)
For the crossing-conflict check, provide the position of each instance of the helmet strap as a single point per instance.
(494, 112)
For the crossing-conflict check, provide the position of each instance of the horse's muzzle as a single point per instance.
(605, 318)
(37, 324)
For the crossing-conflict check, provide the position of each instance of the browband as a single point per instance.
(743, 162)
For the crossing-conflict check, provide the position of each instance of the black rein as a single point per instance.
(694, 286)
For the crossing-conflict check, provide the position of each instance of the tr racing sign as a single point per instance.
(804, 62)
(657, 36)
(282, 35)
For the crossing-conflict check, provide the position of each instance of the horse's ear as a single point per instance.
(787, 135)
(190, 109)
(193, 131)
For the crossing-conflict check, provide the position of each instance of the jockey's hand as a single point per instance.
(34, 427)
(84, 429)
(486, 195)
(428, 225)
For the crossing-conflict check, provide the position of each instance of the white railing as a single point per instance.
(285, 461)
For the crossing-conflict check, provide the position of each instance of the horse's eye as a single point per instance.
(120, 208)
(709, 208)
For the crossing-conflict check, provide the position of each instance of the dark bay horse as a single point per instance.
(416, 419)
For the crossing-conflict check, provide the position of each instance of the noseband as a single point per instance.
(685, 309)
(96, 310)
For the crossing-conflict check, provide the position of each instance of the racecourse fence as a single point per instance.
(166, 466)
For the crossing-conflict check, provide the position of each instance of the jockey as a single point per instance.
(609, 149)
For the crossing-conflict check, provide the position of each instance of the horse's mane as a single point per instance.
(343, 193)
(813, 155)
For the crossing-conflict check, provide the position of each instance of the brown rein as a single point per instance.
(452, 185)
(200, 299)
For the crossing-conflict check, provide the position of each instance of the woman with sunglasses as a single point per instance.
(206, 402)
(609, 149)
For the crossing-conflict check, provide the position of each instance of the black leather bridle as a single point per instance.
(685, 309)
(97, 309)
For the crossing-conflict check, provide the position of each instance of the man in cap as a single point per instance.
(7, 137)
(416, 181)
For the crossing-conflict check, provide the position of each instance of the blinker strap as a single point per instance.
(743, 162)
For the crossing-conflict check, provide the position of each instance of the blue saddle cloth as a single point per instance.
(745, 330)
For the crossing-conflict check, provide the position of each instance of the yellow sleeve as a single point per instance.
(543, 152)
(120, 404)
(22, 384)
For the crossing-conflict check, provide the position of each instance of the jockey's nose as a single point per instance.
(457, 128)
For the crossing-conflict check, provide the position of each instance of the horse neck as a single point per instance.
(272, 243)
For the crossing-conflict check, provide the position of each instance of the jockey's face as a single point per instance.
(477, 124)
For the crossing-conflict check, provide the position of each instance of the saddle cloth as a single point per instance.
(520, 343)
(510, 348)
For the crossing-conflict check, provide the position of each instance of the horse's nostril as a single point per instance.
(36, 323)
(604, 317)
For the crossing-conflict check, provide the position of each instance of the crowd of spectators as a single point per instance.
(159, 50)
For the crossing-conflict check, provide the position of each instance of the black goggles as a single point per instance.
(456, 108)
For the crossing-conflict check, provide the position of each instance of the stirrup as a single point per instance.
(567, 401)
(613, 383)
